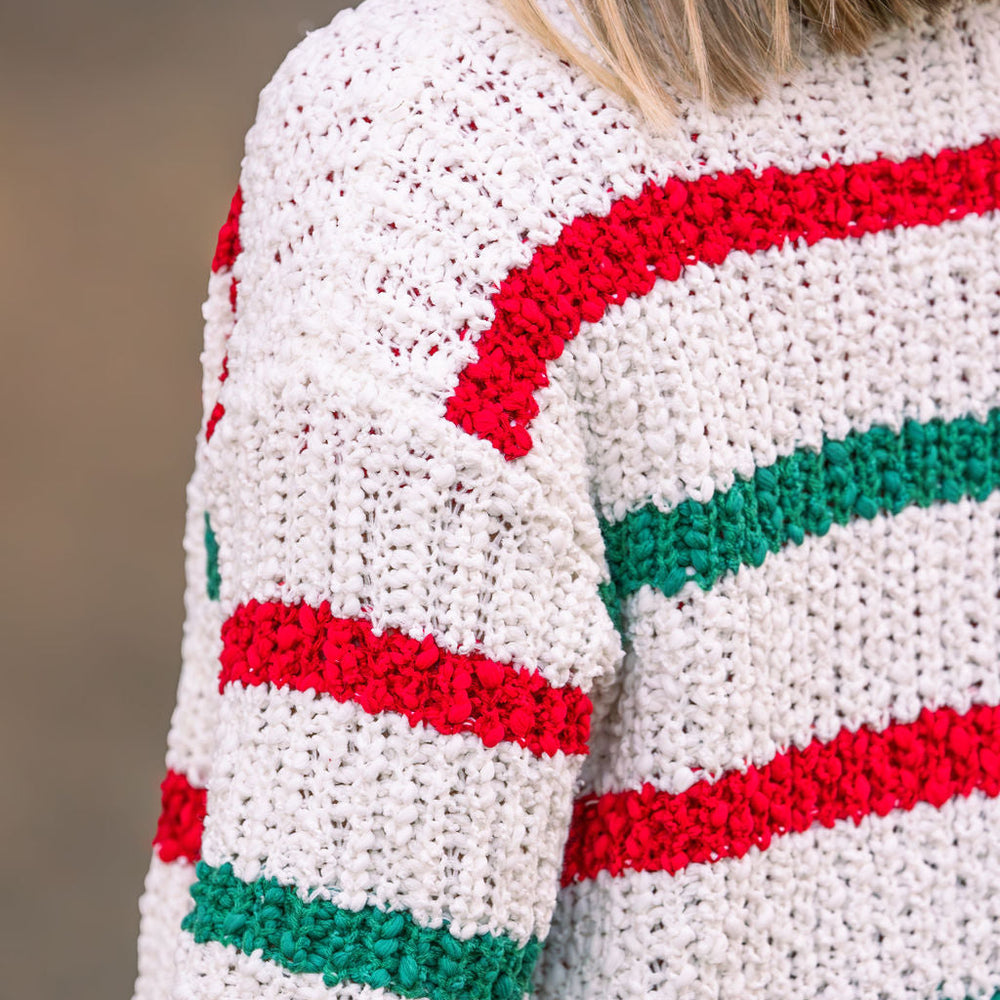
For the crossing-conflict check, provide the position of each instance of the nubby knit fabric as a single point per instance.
(593, 543)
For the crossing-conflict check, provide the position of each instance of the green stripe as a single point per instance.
(213, 580)
(867, 473)
(993, 996)
(384, 950)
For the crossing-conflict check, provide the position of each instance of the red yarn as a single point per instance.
(182, 819)
(227, 249)
(939, 756)
(600, 260)
(216, 415)
(228, 246)
(304, 648)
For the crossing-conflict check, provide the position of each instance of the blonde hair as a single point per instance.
(651, 51)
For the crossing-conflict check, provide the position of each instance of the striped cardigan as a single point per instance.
(593, 547)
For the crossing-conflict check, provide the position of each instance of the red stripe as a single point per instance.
(303, 648)
(941, 755)
(214, 417)
(599, 260)
(227, 248)
(182, 819)
(218, 411)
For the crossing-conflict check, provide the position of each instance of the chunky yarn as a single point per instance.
(593, 543)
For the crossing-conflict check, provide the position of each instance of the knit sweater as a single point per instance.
(592, 547)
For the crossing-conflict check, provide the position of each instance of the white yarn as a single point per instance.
(403, 163)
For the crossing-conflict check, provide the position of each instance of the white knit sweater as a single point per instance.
(593, 544)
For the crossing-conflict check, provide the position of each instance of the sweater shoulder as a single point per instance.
(407, 163)
(402, 162)
(372, 56)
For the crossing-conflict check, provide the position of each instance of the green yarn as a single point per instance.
(993, 996)
(609, 595)
(212, 579)
(867, 473)
(388, 950)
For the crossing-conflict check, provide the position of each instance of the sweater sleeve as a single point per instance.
(394, 628)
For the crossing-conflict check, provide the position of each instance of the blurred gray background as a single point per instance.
(121, 133)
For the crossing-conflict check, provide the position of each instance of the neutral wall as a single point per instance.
(121, 132)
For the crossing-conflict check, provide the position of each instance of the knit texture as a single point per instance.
(592, 548)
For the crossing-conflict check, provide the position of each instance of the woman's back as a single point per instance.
(516, 409)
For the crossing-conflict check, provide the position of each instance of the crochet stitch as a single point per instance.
(592, 547)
